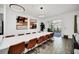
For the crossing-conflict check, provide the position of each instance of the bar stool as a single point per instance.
(17, 49)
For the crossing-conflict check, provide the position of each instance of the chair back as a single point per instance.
(31, 43)
(17, 49)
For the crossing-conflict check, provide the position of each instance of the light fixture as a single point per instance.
(17, 8)
(41, 8)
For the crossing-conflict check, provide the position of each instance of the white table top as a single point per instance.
(7, 42)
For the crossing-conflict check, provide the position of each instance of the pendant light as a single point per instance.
(17, 8)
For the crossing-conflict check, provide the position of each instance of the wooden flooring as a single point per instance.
(58, 45)
(62, 46)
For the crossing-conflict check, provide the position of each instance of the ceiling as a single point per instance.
(49, 10)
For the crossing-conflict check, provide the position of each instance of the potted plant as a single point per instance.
(42, 26)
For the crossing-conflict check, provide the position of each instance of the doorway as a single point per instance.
(57, 28)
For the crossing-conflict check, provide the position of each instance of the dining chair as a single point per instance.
(17, 48)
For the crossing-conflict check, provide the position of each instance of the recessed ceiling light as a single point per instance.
(17, 8)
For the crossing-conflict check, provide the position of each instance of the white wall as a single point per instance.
(10, 22)
(1, 9)
(67, 22)
(68, 25)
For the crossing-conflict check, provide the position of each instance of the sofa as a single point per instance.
(76, 43)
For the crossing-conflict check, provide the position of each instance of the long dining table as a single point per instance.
(7, 42)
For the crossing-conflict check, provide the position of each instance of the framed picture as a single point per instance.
(33, 24)
(22, 23)
(1, 24)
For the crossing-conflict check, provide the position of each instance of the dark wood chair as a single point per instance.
(41, 39)
(17, 49)
(31, 43)
(47, 36)
(51, 35)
